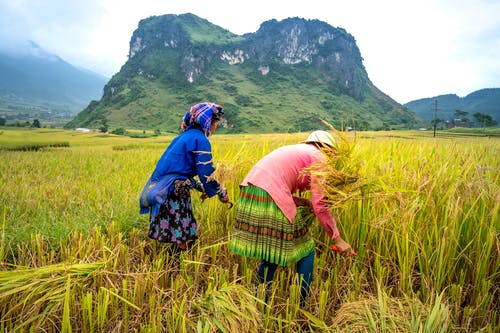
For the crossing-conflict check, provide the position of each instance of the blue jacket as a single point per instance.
(188, 155)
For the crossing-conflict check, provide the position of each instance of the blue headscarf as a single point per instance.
(202, 115)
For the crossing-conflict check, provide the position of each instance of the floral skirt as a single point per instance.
(262, 231)
(175, 222)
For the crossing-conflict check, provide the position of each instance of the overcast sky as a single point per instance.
(411, 48)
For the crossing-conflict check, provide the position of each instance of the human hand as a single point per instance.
(223, 195)
(343, 248)
(197, 185)
(302, 202)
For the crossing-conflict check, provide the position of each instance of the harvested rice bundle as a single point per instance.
(339, 177)
(382, 313)
(38, 296)
(230, 308)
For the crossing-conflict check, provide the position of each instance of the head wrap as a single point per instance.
(201, 115)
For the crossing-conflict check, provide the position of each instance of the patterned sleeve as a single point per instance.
(205, 168)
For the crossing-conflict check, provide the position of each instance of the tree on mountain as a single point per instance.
(436, 121)
(36, 123)
(459, 114)
(104, 127)
(2, 121)
(484, 119)
(459, 119)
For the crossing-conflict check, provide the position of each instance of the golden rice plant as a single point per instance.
(425, 227)
(382, 313)
(228, 308)
(339, 177)
(36, 296)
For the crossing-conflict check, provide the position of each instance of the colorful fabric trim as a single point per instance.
(201, 115)
(262, 231)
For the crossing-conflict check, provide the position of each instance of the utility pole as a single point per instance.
(435, 115)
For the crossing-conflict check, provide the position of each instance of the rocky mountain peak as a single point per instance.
(293, 41)
(176, 60)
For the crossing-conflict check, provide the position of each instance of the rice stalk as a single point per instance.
(2, 240)
(103, 301)
(66, 321)
(87, 312)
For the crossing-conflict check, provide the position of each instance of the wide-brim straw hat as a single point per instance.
(320, 137)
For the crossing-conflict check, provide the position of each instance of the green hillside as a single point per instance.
(278, 79)
(484, 101)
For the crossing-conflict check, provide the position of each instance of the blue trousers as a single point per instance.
(305, 266)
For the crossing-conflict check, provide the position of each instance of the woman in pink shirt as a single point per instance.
(268, 226)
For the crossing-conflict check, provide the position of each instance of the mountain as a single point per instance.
(32, 80)
(485, 101)
(284, 77)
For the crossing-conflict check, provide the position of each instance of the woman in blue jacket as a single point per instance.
(166, 195)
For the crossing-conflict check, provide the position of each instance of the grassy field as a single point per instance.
(74, 252)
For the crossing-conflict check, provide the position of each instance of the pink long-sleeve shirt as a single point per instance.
(281, 173)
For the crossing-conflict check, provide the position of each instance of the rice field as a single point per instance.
(75, 257)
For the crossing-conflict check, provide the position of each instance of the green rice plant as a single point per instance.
(2, 240)
(35, 146)
(87, 313)
(66, 322)
(176, 321)
(103, 300)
